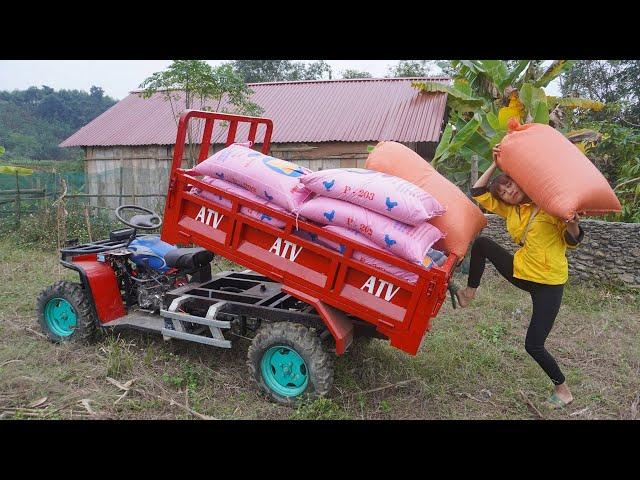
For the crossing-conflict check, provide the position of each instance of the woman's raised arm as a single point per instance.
(486, 176)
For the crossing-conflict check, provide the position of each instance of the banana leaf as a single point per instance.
(464, 134)
(461, 177)
(530, 96)
(473, 65)
(458, 100)
(444, 141)
(493, 121)
(496, 70)
(529, 74)
(583, 135)
(515, 73)
(484, 163)
(479, 144)
(505, 113)
(575, 102)
(554, 70)
(486, 128)
(462, 85)
(497, 138)
(541, 114)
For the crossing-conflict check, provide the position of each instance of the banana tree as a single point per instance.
(485, 94)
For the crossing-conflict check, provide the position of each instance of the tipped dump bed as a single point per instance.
(398, 309)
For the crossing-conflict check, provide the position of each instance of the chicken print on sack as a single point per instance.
(390, 204)
(329, 215)
(269, 197)
(220, 176)
(264, 216)
(328, 185)
(388, 240)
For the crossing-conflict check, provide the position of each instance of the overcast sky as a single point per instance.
(118, 77)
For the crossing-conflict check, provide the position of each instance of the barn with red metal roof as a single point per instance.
(319, 124)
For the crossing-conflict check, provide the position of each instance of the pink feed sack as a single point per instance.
(368, 259)
(405, 241)
(385, 194)
(270, 178)
(240, 192)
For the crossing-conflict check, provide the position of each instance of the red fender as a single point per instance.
(336, 320)
(102, 285)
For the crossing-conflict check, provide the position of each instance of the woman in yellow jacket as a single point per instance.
(539, 267)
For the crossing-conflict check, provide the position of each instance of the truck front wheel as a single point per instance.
(65, 314)
(288, 362)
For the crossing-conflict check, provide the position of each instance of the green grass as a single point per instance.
(471, 365)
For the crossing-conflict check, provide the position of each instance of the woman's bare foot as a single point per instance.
(563, 393)
(465, 296)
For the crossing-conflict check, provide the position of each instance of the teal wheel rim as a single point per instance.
(60, 317)
(284, 371)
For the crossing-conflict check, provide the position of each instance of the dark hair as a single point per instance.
(502, 179)
(498, 180)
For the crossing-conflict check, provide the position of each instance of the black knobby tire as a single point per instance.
(76, 296)
(307, 344)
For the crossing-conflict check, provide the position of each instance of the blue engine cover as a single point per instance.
(150, 251)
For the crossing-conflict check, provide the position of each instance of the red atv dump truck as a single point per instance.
(300, 301)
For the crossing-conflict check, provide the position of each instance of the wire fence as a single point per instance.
(47, 208)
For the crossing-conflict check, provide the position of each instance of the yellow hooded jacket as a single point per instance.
(542, 259)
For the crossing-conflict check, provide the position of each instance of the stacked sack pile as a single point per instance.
(241, 171)
(399, 203)
(375, 209)
(378, 210)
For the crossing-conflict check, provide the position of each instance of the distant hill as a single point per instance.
(34, 121)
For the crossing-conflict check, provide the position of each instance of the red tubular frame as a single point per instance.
(312, 273)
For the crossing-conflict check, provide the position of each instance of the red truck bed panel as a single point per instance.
(398, 309)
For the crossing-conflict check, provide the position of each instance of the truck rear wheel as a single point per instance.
(288, 362)
(65, 314)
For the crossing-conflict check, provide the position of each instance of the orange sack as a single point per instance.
(553, 172)
(462, 221)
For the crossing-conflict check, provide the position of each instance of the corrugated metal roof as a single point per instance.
(356, 110)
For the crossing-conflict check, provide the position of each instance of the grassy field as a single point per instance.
(472, 365)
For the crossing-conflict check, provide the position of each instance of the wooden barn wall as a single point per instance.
(133, 171)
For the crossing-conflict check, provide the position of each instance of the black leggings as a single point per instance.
(546, 301)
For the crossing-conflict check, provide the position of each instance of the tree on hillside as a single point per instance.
(613, 82)
(351, 73)
(412, 68)
(96, 92)
(34, 121)
(257, 71)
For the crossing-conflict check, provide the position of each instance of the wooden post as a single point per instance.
(17, 201)
(474, 170)
(38, 188)
(135, 170)
(121, 181)
(86, 216)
